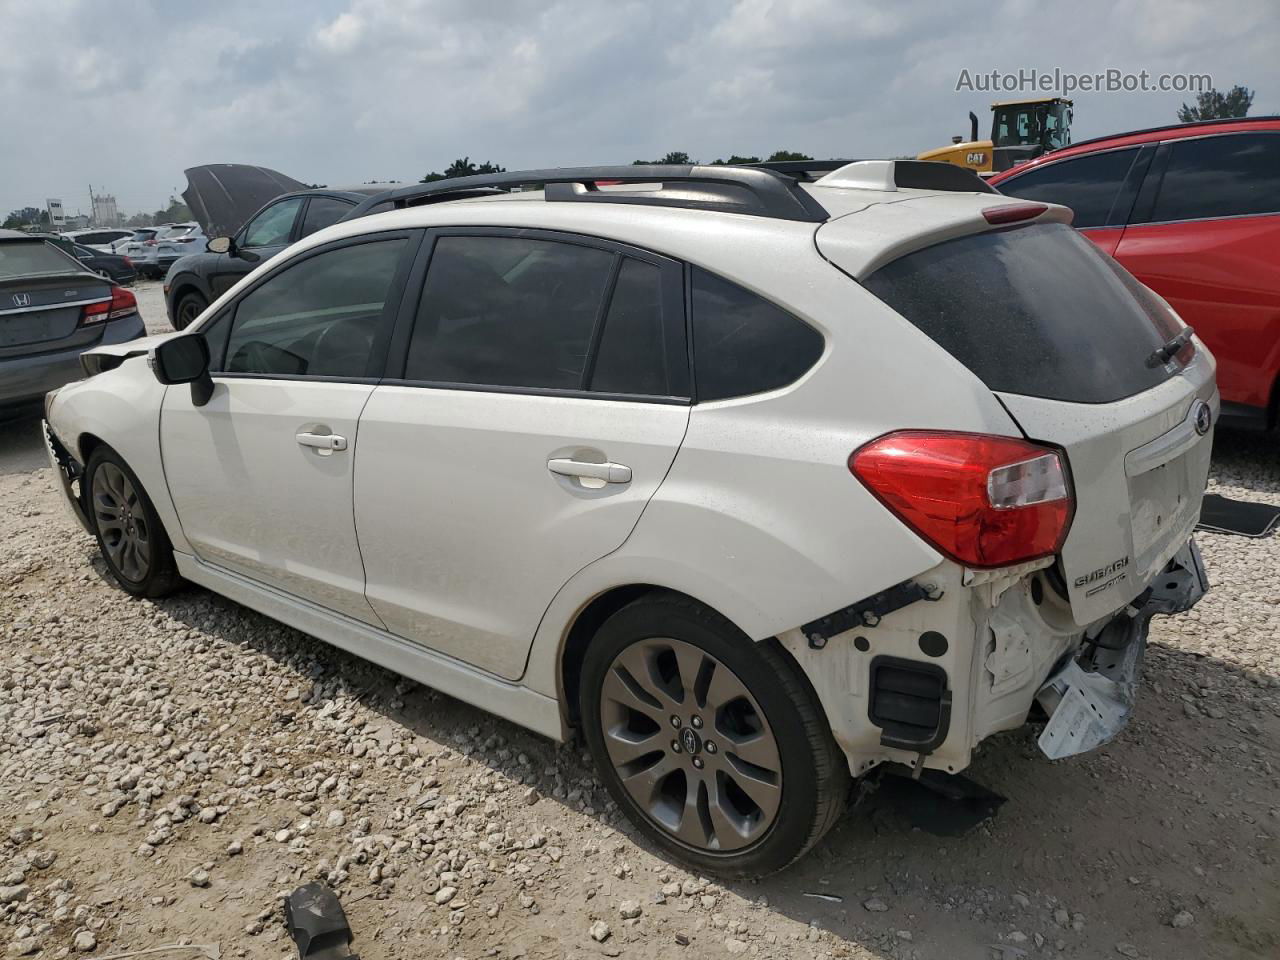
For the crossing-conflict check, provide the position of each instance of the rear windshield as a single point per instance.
(32, 258)
(1035, 310)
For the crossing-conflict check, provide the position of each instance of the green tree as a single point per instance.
(676, 158)
(780, 156)
(735, 160)
(463, 167)
(175, 212)
(26, 217)
(1212, 105)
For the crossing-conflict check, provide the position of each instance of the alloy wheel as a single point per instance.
(690, 745)
(122, 522)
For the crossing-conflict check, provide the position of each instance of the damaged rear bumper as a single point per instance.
(1090, 698)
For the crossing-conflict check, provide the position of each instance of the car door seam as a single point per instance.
(519, 678)
(355, 523)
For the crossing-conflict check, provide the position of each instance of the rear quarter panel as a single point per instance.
(760, 517)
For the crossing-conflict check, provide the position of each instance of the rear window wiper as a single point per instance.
(1164, 354)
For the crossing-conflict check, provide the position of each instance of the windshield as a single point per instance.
(1035, 310)
(1031, 124)
(26, 258)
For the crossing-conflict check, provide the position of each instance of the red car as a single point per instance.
(1192, 210)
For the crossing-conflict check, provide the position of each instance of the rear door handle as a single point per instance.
(324, 442)
(608, 472)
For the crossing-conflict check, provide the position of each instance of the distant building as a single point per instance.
(105, 213)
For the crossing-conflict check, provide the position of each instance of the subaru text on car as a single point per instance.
(759, 483)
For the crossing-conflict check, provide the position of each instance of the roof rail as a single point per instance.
(804, 170)
(892, 175)
(728, 189)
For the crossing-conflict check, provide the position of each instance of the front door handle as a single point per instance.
(608, 472)
(325, 443)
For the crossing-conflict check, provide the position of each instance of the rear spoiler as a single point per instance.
(892, 175)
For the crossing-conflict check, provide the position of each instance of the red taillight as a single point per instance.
(1013, 212)
(122, 304)
(983, 501)
(128, 262)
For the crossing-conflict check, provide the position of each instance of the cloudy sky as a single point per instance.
(126, 95)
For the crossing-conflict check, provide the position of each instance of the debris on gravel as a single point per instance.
(170, 770)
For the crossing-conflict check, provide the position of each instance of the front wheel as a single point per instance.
(713, 744)
(189, 307)
(129, 533)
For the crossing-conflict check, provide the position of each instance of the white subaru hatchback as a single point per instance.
(758, 481)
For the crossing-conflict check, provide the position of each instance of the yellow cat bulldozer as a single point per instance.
(1021, 130)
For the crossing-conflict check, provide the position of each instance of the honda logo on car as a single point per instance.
(1102, 573)
(22, 299)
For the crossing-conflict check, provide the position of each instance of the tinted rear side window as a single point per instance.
(1036, 310)
(324, 212)
(633, 352)
(743, 344)
(508, 312)
(1088, 185)
(1227, 176)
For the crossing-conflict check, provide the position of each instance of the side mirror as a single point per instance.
(221, 245)
(185, 359)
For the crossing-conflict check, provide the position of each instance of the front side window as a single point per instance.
(1088, 185)
(743, 344)
(316, 318)
(1226, 176)
(271, 228)
(508, 312)
(324, 212)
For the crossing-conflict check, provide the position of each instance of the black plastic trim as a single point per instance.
(755, 191)
(927, 729)
(931, 175)
(866, 612)
(528, 391)
(1122, 203)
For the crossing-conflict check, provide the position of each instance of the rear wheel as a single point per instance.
(190, 306)
(129, 533)
(713, 744)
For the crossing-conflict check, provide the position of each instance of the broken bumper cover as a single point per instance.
(68, 472)
(1090, 699)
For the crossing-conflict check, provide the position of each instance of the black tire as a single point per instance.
(189, 306)
(119, 510)
(813, 775)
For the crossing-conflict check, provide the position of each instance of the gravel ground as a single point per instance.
(168, 770)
